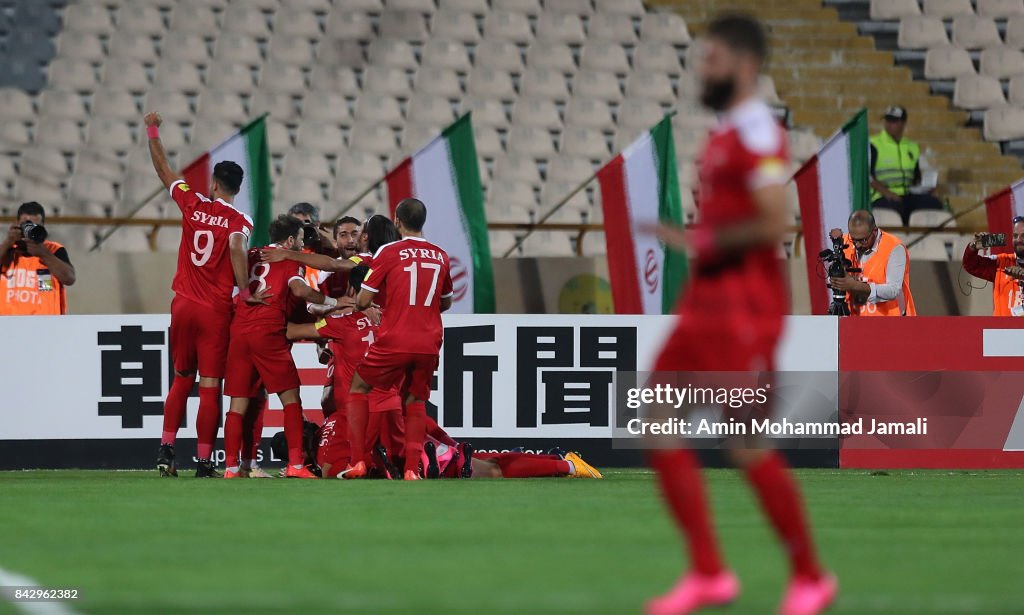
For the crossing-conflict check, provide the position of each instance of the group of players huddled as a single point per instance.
(377, 308)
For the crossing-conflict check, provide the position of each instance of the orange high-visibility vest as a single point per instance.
(1005, 290)
(874, 271)
(28, 288)
(312, 275)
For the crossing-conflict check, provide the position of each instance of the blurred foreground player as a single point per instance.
(731, 317)
(260, 351)
(211, 263)
(415, 275)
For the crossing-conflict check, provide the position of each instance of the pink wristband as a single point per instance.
(153, 132)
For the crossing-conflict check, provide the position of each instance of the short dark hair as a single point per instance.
(345, 220)
(740, 32)
(412, 213)
(31, 208)
(307, 209)
(283, 227)
(379, 232)
(229, 175)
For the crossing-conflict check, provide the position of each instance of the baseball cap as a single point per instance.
(895, 112)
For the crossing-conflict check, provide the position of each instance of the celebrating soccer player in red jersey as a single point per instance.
(731, 316)
(211, 263)
(260, 352)
(416, 277)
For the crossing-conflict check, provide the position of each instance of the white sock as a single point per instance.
(572, 467)
(233, 469)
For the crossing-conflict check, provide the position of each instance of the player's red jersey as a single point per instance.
(733, 307)
(415, 275)
(351, 336)
(204, 273)
(276, 277)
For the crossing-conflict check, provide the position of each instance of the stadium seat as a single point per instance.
(140, 19)
(15, 104)
(372, 138)
(491, 83)
(386, 81)
(171, 134)
(41, 162)
(279, 105)
(584, 142)
(475, 7)
(279, 138)
(665, 27)
(499, 55)
(505, 26)
(889, 10)
(921, 32)
(973, 32)
(572, 212)
(62, 104)
(349, 25)
(296, 21)
(516, 168)
(88, 18)
(134, 46)
(325, 137)
(640, 113)
(656, 86)
(37, 16)
(13, 137)
(354, 165)
(305, 163)
(929, 217)
(573, 7)
(543, 83)
(589, 113)
(570, 169)
(457, 26)
(552, 56)
(295, 189)
(206, 133)
(1004, 123)
(486, 111)
(237, 48)
(1015, 32)
(183, 76)
(80, 46)
(604, 56)
(281, 77)
(1000, 9)
(91, 195)
(369, 6)
(436, 81)
(415, 136)
(598, 85)
(612, 27)
(528, 7)
(184, 46)
(947, 63)
(632, 8)
(108, 132)
(488, 141)
(657, 57)
(403, 25)
(172, 104)
(446, 54)
(945, 9)
(566, 28)
(509, 192)
(429, 110)
(125, 74)
(377, 109)
(244, 18)
(418, 6)
(326, 105)
(1016, 91)
(530, 141)
(396, 54)
(1002, 62)
(219, 105)
(540, 112)
(339, 79)
(194, 17)
(57, 133)
(47, 191)
(886, 218)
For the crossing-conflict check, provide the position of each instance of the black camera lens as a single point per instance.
(36, 233)
(310, 234)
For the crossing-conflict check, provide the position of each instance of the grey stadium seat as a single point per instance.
(133, 46)
(403, 25)
(584, 142)
(80, 46)
(486, 111)
(564, 28)
(945, 9)
(499, 55)
(665, 27)
(15, 104)
(219, 105)
(438, 82)
(61, 134)
(612, 27)
(184, 46)
(326, 105)
(430, 110)
(973, 32)
(178, 75)
(349, 26)
(376, 109)
(247, 19)
(140, 19)
(947, 63)
(296, 21)
(279, 105)
(61, 104)
(632, 8)
(604, 56)
(530, 141)
(540, 112)
(655, 86)
(88, 18)
(506, 26)
(237, 48)
(542, 83)
(172, 104)
(1002, 62)
(281, 77)
(555, 56)
(491, 83)
(977, 92)
(397, 54)
(386, 81)
(325, 137)
(305, 163)
(110, 133)
(888, 10)
(446, 54)
(125, 74)
(921, 32)
(598, 85)
(457, 26)
(1000, 9)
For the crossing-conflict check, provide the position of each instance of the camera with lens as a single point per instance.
(991, 240)
(838, 266)
(311, 236)
(36, 233)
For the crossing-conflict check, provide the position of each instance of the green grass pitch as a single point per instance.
(907, 542)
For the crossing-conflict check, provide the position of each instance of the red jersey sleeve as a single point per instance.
(240, 223)
(383, 262)
(446, 284)
(185, 197)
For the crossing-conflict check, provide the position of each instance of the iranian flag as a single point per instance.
(830, 185)
(639, 188)
(247, 147)
(444, 175)
(1001, 208)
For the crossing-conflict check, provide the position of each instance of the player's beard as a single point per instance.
(1018, 248)
(718, 93)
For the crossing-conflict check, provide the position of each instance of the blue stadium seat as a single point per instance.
(22, 73)
(35, 15)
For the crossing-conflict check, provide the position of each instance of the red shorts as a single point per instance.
(199, 337)
(386, 370)
(709, 345)
(381, 400)
(256, 356)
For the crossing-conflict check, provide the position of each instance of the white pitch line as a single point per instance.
(13, 579)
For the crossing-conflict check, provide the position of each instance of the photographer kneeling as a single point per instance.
(882, 287)
(34, 269)
(1004, 270)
